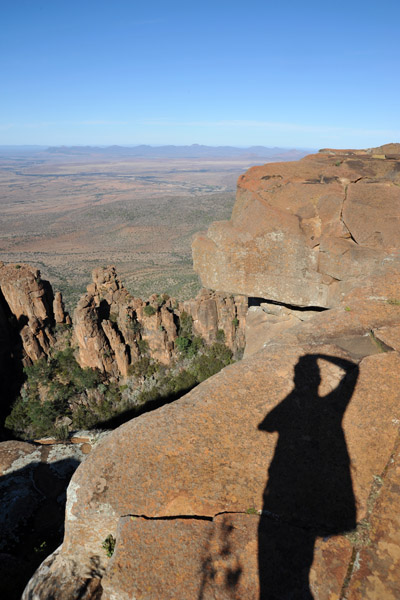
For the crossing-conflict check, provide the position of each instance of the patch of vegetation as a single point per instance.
(143, 346)
(235, 322)
(149, 310)
(393, 301)
(185, 325)
(144, 367)
(51, 389)
(186, 343)
(252, 511)
(220, 335)
(109, 545)
(62, 327)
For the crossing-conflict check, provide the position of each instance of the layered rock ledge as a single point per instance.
(306, 232)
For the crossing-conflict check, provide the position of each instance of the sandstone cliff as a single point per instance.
(279, 476)
(110, 324)
(119, 353)
(28, 304)
(306, 232)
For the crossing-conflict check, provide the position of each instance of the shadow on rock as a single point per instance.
(32, 507)
(309, 491)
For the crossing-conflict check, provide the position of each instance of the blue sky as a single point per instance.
(306, 74)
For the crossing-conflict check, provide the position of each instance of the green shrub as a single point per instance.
(61, 381)
(235, 322)
(185, 325)
(143, 346)
(220, 335)
(149, 310)
(209, 363)
(144, 367)
(109, 545)
(182, 344)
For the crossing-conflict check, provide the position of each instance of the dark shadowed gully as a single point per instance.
(309, 492)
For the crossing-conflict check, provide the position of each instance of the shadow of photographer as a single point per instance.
(309, 490)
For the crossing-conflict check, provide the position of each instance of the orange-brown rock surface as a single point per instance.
(278, 478)
(109, 323)
(27, 302)
(214, 452)
(214, 312)
(304, 232)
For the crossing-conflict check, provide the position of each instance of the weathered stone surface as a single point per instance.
(58, 309)
(27, 302)
(389, 335)
(214, 312)
(296, 228)
(33, 479)
(109, 323)
(267, 321)
(251, 485)
(217, 559)
(94, 348)
(236, 455)
(377, 565)
(15, 455)
(72, 581)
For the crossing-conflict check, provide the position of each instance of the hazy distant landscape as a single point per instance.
(68, 210)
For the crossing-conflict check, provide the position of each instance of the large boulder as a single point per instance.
(203, 495)
(304, 232)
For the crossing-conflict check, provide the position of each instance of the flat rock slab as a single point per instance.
(256, 436)
(233, 556)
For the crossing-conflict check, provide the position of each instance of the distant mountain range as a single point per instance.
(193, 151)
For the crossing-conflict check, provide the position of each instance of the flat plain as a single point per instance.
(68, 213)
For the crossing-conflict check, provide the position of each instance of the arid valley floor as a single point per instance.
(67, 214)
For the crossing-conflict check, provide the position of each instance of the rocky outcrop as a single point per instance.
(112, 329)
(306, 232)
(278, 476)
(28, 316)
(27, 304)
(205, 474)
(218, 316)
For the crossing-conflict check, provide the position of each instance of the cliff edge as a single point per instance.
(279, 476)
